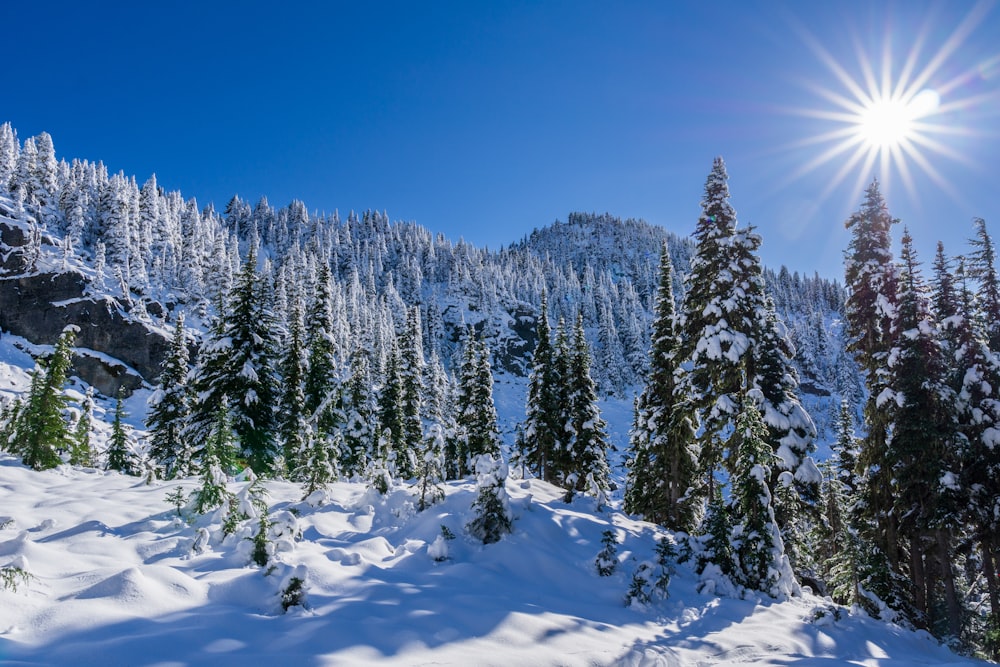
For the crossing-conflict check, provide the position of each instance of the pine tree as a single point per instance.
(169, 410)
(923, 450)
(982, 267)
(358, 430)
(292, 420)
(236, 362)
(976, 378)
(607, 557)
(213, 492)
(540, 431)
(760, 551)
(391, 417)
(492, 505)
(317, 469)
(476, 430)
(411, 371)
(82, 452)
(41, 429)
(321, 370)
(120, 455)
(870, 279)
(9, 149)
(717, 538)
(430, 472)
(663, 464)
(588, 471)
(714, 341)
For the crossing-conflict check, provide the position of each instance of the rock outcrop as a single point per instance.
(113, 350)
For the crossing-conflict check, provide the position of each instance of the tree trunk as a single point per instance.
(990, 572)
(948, 577)
(919, 576)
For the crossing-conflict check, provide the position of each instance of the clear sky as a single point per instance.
(487, 119)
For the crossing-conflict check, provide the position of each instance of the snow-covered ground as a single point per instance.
(116, 580)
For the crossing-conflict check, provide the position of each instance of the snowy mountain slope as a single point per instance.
(116, 581)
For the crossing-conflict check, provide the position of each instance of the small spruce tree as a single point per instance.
(120, 456)
(492, 505)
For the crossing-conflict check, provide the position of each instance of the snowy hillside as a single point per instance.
(117, 578)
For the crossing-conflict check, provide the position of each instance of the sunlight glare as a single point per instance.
(891, 117)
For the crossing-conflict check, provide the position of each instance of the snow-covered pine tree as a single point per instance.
(562, 355)
(321, 370)
(870, 280)
(358, 429)
(476, 430)
(41, 429)
(588, 471)
(481, 414)
(316, 469)
(411, 374)
(540, 432)
(712, 342)
(977, 377)
(430, 470)
(81, 452)
(760, 550)
(982, 267)
(716, 557)
(119, 455)
(663, 464)
(218, 449)
(492, 505)
(169, 410)
(391, 419)
(292, 417)
(923, 453)
(832, 539)
(795, 478)
(9, 150)
(236, 362)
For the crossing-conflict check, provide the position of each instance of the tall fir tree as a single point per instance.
(41, 429)
(236, 362)
(760, 552)
(358, 428)
(391, 418)
(321, 373)
(710, 342)
(476, 431)
(540, 431)
(982, 266)
(293, 420)
(923, 454)
(663, 463)
(977, 379)
(588, 471)
(411, 374)
(870, 280)
(169, 410)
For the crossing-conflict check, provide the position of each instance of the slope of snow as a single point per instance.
(116, 580)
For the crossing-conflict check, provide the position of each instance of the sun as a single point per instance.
(888, 117)
(893, 122)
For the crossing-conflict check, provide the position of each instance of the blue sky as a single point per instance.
(486, 120)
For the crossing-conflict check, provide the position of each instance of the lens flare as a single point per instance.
(886, 119)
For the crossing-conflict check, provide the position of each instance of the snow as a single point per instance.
(118, 578)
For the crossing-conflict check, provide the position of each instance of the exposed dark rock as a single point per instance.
(105, 375)
(38, 307)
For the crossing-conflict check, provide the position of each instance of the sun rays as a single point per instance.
(895, 118)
